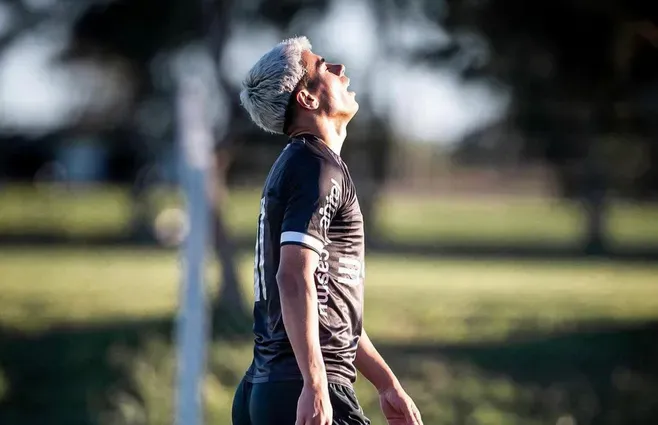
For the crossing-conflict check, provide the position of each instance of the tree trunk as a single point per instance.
(229, 312)
(378, 148)
(594, 204)
(595, 182)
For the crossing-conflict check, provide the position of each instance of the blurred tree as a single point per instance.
(145, 34)
(230, 316)
(571, 66)
(579, 70)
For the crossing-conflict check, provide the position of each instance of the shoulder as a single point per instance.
(304, 162)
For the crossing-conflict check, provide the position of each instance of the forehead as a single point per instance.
(311, 60)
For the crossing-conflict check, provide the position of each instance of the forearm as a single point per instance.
(300, 318)
(372, 365)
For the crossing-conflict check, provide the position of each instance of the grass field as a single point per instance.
(475, 342)
(401, 217)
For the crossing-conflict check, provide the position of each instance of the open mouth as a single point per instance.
(347, 85)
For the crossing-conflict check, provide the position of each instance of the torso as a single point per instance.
(310, 199)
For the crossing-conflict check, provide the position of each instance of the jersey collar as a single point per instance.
(316, 141)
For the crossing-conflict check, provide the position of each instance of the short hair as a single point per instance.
(269, 84)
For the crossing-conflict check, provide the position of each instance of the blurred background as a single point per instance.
(506, 159)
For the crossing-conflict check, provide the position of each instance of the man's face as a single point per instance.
(330, 87)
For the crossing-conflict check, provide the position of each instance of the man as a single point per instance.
(308, 269)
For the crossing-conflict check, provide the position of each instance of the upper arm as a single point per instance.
(297, 263)
(314, 197)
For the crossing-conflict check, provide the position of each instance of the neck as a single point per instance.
(331, 132)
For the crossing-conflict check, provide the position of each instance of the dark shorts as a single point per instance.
(275, 403)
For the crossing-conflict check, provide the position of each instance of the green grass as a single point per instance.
(508, 219)
(443, 301)
(401, 217)
(409, 302)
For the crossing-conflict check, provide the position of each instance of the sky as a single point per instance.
(6, 18)
(421, 103)
(38, 94)
(34, 95)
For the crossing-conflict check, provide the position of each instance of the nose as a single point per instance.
(339, 69)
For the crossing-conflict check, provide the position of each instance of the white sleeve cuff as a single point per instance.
(303, 239)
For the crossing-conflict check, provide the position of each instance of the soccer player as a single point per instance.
(309, 262)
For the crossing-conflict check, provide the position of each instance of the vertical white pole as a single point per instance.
(195, 140)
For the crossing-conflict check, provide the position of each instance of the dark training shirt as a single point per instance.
(309, 199)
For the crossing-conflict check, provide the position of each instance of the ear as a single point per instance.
(306, 100)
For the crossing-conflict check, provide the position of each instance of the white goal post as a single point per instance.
(195, 142)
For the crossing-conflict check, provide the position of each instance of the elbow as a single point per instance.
(283, 275)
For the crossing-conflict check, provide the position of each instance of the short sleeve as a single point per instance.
(315, 196)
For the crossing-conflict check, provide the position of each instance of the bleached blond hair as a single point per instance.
(267, 88)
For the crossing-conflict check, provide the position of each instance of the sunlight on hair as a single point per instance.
(244, 47)
(422, 103)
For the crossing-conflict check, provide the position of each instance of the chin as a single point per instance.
(352, 99)
(356, 106)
